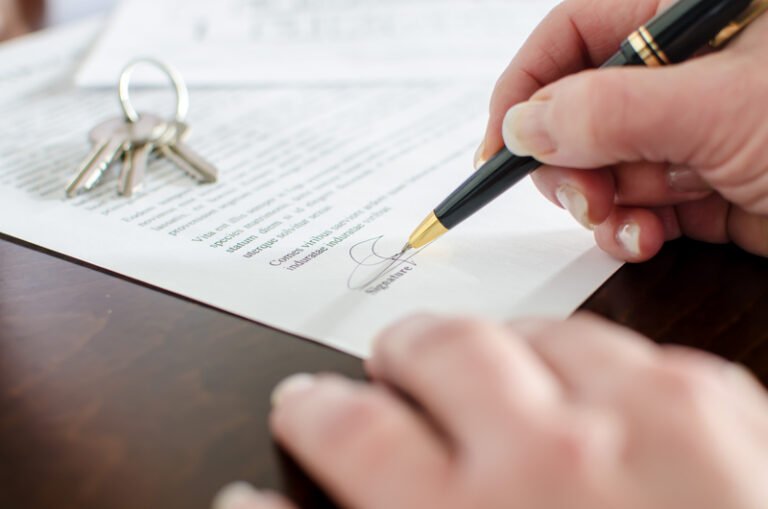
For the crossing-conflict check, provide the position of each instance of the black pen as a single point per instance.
(671, 37)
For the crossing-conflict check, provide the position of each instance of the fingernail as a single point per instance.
(292, 385)
(239, 495)
(628, 238)
(406, 329)
(525, 131)
(686, 180)
(397, 337)
(576, 203)
(416, 325)
(480, 156)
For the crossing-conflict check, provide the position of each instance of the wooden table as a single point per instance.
(115, 395)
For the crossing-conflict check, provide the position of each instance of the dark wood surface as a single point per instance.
(115, 395)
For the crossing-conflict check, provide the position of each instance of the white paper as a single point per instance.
(58, 12)
(316, 41)
(37, 63)
(311, 180)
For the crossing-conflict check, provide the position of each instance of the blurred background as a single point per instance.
(18, 17)
(62, 11)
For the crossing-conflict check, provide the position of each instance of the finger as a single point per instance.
(609, 116)
(749, 231)
(749, 392)
(590, 196)
(596, 361)
(576, 35)
(590, 356)
(742, 385)
(645, 184)
(587, 195)
(687, 381)
(242, 496)
(636, 234)
(471, 376)
(360, 442)
(705, 220)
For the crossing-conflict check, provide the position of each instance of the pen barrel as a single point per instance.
(485, 185)
(679, 32)
(673, 36)
(626, 56)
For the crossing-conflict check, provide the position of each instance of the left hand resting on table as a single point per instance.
(576, 414)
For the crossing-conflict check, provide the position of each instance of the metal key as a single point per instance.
(108, 138)
(184, 157)
(141, 139)
(136, 160)
(145, 135)
(111, 139)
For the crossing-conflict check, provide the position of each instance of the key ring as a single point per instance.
(182, 92)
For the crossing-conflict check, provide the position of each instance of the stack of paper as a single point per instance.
(319, 186)
(317, 41)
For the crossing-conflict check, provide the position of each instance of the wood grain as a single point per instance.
(116, 395)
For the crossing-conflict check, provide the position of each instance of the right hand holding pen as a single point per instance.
(674, 151)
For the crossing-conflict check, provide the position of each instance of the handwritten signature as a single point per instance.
(371, 265)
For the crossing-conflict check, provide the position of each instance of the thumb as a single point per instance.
(607, 116)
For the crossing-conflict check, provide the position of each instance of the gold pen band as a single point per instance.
(734, 28)
(657, 51)
(645, 45)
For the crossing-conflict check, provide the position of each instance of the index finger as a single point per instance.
(576, 35)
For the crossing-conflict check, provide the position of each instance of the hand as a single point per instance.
(536, 415)
(679, 150)
(18, 18)
(11, 23)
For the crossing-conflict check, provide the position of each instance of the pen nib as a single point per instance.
(405, 249)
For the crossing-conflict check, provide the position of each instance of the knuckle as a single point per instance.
(558, 452)
(570, 451)
(686, 383)
(689, 394)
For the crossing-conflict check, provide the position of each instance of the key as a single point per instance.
(111, 139)
(131, 178)
(136, 160)
(144, 136)
(184, 157)
(146, 132)
(108, 140)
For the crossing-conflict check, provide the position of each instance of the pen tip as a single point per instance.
(405, 249)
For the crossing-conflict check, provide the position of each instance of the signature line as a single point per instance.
(364, 254)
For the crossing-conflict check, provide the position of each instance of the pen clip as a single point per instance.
(735, 27)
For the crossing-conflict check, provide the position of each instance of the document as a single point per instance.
(34, 63)
(319, 188)
(231, 42)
